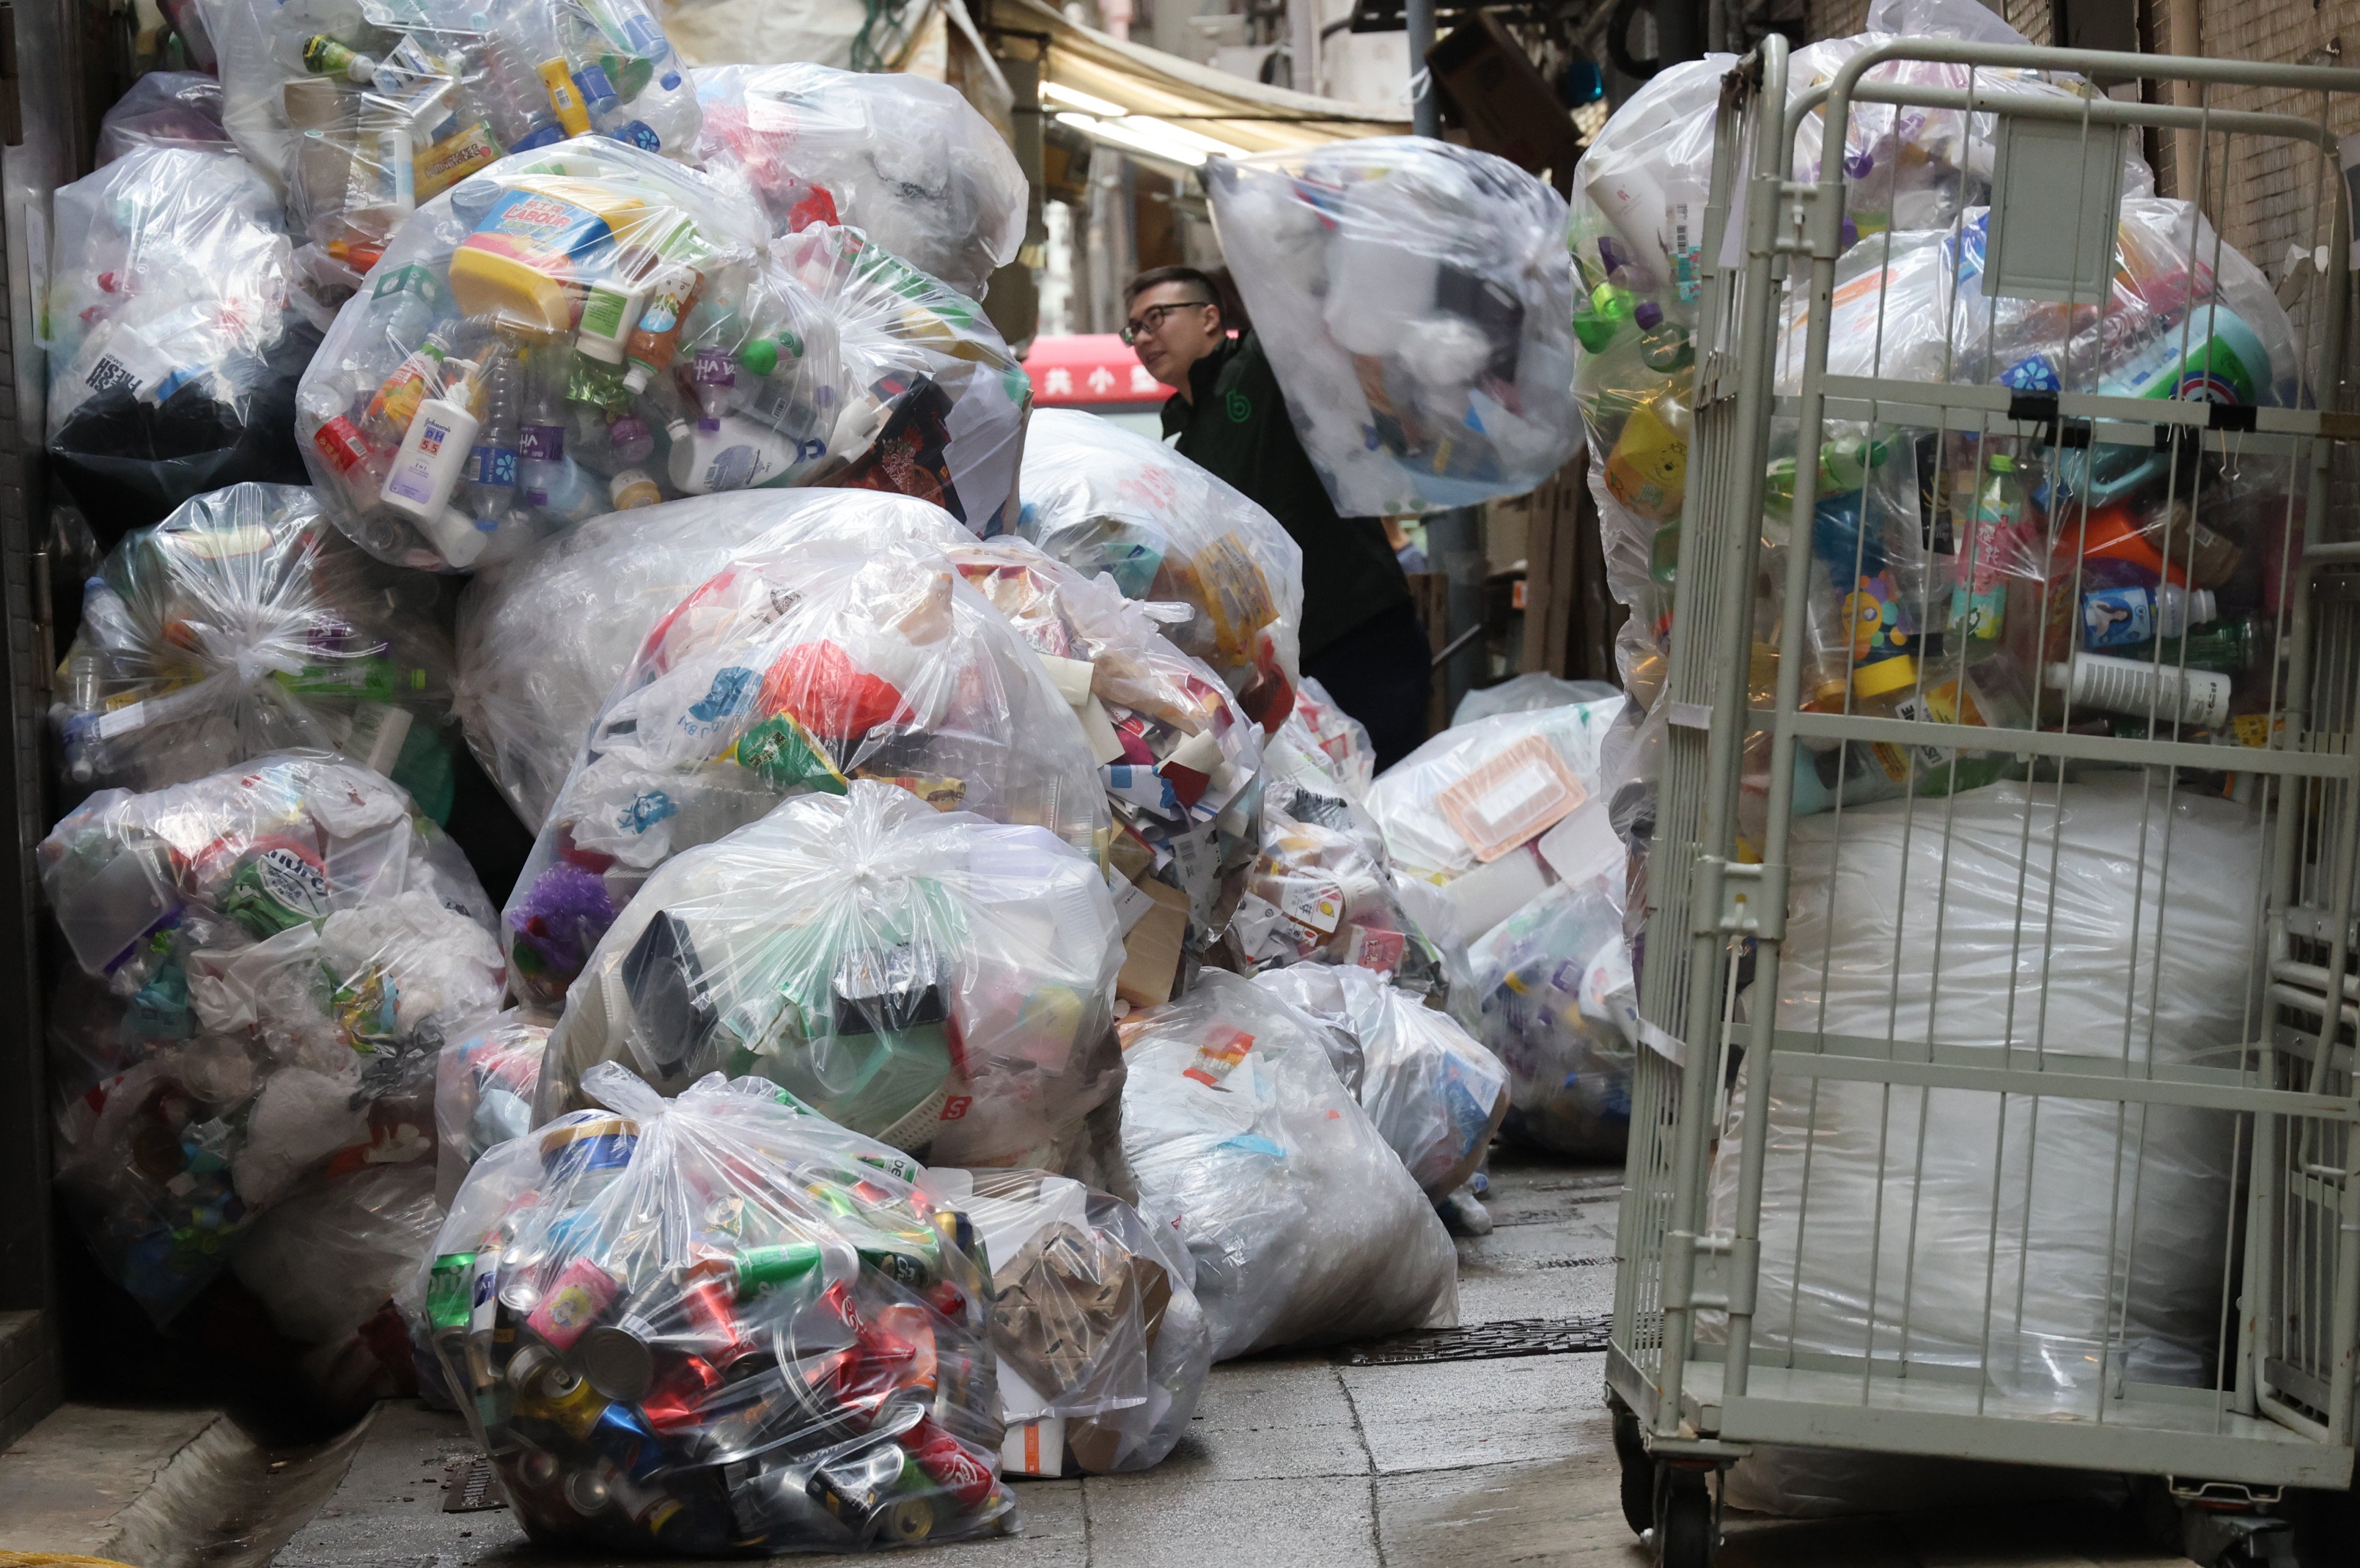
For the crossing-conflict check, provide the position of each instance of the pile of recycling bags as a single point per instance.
(1412, 298)
(243, 625)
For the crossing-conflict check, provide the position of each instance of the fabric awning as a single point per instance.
(1160, 105)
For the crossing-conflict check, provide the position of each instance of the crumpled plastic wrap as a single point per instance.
(173, 348)
(1181, 761)
(541, 639)
(1527, 693)
(243, 625)
(1102, 1348)
(1414, 300)
(1435, 1095)
(484, 1087)
(1342, 739)
(162, 107)
(927, 977)
(803, 666)
(719, 1325)
(907, 161)
(2048, 942)
(269, 960)
(1102, 498)
(1305, 1226)
(365, 111)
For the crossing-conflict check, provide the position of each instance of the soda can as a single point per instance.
(448, 1302)
(586, 1491)
(950, 1464)
(900, 1262)
(595, 1143)
(674, 1403)
(908, 1519)
(857, 1488)
(581, 1296)
(709, 1303)
(535, 1372)
(619, 1358)
(565, 1401)
(759, 1268)
(626, 1443)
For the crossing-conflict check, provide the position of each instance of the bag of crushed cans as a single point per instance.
(1435, 1095)
(1102, 498)
(1181, 761)
(1102, 1348)
(1305, 1226)
(927, 977)
(269, 960)
(803, 666)
(367, 111)
(541, 639)
(484, 1087)
(243, 625)
(719, 1325)
(907, 161)
(173, 340)
(1413, 300)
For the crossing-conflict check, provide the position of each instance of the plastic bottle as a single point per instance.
(516, 102)
(407, 301)
(2212, 357)
(492, 467)
(433, 456)
(323, 56)
(2173, 695)
(2117, 617)
(547, 477)
(1845, 465)
(1647, 470)
(729, 453)
(1891, 688)
(1664, 346)
(657, 337)
(1603, 316)
(2228, 647)
(1979, 603)
(632, 488)
(610, 309)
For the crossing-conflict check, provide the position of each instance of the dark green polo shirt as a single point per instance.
(1238, 429)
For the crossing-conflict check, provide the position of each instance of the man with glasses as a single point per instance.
(1361, 639)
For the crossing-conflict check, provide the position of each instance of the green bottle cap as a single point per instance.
(2002, 463)
(760, 356)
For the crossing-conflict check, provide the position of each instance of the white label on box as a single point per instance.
(122, 721)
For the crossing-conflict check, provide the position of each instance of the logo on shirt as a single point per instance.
(1241, 410)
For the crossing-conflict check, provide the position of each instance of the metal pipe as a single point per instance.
(1425, 110)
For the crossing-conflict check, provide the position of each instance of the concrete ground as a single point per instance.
(1302, 1462)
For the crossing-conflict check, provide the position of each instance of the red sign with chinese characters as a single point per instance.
(1089, 370)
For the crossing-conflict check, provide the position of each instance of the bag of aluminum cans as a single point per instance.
(905, 160)
(1102, 498)
(929, 978)
(1414, 300)
(174, 347)
(1435, 1095)
(802, 667)
(1102, 1347)
(542, 637)
(365, 110)
(484, 1085)
(720, 1324)
(1305, 1226)
(1180, 759)
(269, 961)
(241, 625)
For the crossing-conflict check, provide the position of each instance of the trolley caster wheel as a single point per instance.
(1687, 1526)
(1638, 1474)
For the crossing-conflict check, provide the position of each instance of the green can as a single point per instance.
(759, 1268)
(448, 1304)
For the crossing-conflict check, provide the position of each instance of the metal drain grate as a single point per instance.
(1485, 1341)
(1574, 1263)
(468, 1487)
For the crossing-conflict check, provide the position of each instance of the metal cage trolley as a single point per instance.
(1998, 953)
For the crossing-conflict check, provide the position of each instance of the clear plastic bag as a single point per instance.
(718, 1324)
(1551, 992)
(542, 638)
(484, 1087)
(1415, 301)
(1455, 802)
(1181, 761)
(163, 107)
(1102, 498)
(1436, 1095)
(173, 353)
(1102, 1348)
(365, 110)
(1305, 1226)
(803, 666)
(903, 159)
(927, 977)
(243, 625)
(1340, 738)
(269, 958)
(1527, 693)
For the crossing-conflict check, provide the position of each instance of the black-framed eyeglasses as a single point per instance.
(1152, 319)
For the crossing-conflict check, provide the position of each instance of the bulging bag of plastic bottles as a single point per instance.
(367, 111)
(484, 1087)
(173, 346)
(1435, 1095)
(1554, 996)
(1303, 1225)
(907, 161)
(927, 977)
(1414, 300)
(719, 1325)
(802, 667)
(542, 637)
(268, 959)
(243, 625)
(1181, 761)
(1102, 498)
(1102, 1348)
